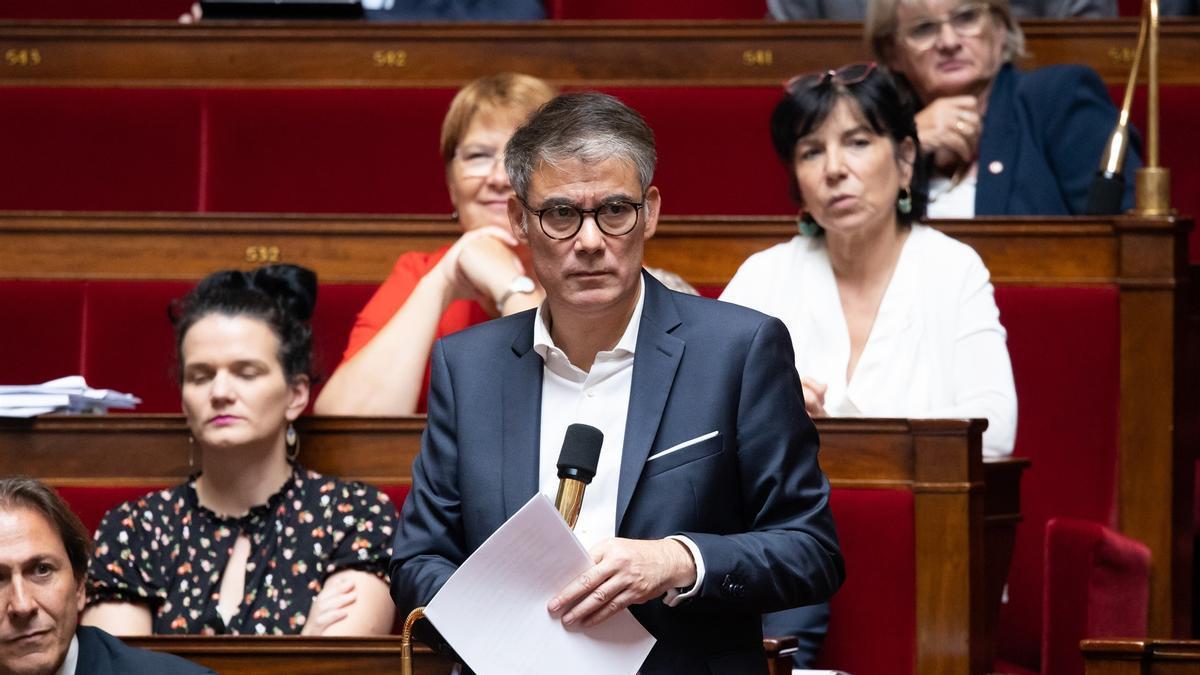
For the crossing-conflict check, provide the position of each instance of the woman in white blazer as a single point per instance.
(889, 318)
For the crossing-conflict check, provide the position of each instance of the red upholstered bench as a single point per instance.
(100, 149)
(42, 336)
(873, 624)
(632, 9)
(163, 10)
(326, 151)
(714, 148)
(375, 150)
(116, 333)
(1064, 344)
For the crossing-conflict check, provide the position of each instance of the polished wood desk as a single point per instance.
(568, 53)
(273, 655)
(1141, 657)
(294, 655)
(966, 510)
(705, 250)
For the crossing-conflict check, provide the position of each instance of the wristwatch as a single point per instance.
(519, 284)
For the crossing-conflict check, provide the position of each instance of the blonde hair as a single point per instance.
(512, 94)
(879, 28)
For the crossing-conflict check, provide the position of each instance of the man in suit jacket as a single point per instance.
(43, 561)
(708, 507)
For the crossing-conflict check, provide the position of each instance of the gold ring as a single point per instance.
(959, 125)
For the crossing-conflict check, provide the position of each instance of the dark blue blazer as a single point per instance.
(1042, 139)
(752, 498)
(103, 654)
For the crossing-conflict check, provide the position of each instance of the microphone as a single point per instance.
(1108, 185)
(576, 468)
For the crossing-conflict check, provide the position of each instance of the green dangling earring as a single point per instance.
(904, 201)
(807, 226)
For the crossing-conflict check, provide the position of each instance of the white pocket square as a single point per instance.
(680, 446)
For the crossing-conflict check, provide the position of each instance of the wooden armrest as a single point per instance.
(779, 653)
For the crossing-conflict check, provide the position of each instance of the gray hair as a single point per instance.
(589, 127)
(879, 29)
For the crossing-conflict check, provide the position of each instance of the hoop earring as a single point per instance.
(292, 439)
(807, 226)
(904, 201)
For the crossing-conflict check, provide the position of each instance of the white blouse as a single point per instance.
(936, 349)
(951, 200)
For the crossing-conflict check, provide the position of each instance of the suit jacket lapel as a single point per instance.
(522, 421)
(654, 365)
(998, 147)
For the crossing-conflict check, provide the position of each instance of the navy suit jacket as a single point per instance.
(1042, 139)
(103, 654)
(752, 498)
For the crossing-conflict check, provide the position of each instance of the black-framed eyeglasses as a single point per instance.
(845, 76)
(615, 218)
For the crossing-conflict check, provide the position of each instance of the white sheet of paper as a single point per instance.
(492, 610)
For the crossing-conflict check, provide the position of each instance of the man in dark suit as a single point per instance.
(708, 507)
(43, 561)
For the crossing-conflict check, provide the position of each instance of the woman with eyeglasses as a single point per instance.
(482, 275)
(998, 141)
(888, 317)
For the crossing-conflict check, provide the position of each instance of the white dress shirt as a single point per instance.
(936, 349)
(948, 199)
(72, 659)
(600, 398)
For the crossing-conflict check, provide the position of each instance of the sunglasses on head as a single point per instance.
(845, 76)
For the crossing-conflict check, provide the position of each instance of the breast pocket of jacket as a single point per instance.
(685, 453)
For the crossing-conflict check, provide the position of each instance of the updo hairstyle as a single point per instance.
(281, 296)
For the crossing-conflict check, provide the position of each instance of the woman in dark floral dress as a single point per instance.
(252, 543)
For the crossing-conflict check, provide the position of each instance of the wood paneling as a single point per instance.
(594, 53)
(350, 249)
(294, 655)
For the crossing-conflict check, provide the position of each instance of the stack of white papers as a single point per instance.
(66, 394)
(492, 610)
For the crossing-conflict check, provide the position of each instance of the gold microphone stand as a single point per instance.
(406, 667)
(1152, 196)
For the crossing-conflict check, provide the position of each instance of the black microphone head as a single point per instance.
(580, 453)
(1105, 194)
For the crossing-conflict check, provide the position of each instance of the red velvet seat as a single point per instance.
(1065, 349)
(129, 343)
(41, 339)
(117, 334)
(714, 148)
(631, 9)
(163, 10)
(337, 307)
(326, 151)
(100, 149)
(873, 628)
